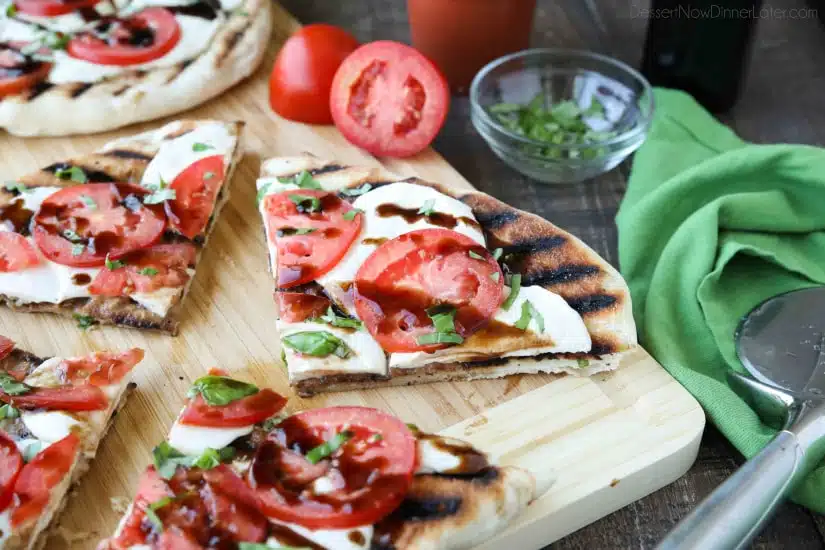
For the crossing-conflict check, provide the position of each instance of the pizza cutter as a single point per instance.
(781, 343)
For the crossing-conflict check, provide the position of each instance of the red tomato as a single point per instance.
(407, 275)
(373, 474)
(304, 258)
(101, 368)
(147, 270)
(16, 252)
(18, 72)
(296, 307)
(145, 36)
(65, 398)
(232, 505)
(50, 8)
(11, 461)
(389, 99)
(40, 476)
(195, 192)
(70, 231)
(302, 76)
(6, 346)
(151, 488)
(173, 540)
(241, 412)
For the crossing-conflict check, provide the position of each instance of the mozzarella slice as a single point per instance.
(161, 300)
(432, 460)
(49, 426)
(367, 356)
(378, 227)
(5, 526)
(15, 30)
(193, 440)
(339, 539)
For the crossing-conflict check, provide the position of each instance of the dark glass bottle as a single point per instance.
(700, 46)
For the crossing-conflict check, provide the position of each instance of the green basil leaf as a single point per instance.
(12, 387)
(212, 458)
(306, 203)
(317, 344)
(443, 318)
(16, 185)
(476, 256)
(159, 196)
(218, 391)
(11, 9)
(148, 271)
(167, 459)
(72, 236)
(331, 318)
(263, 192)
(304, 180)
(350, 214)
(290, 231)
(7, 411)
(201, 147)
(439, 338)
(530, 313)
(112, 265)
(152, 516)
(356, 191)
(515, 286)
(327, 448)
(73, 173)
(581, 363)
(84, 321)
(427, 207)
(497, 253)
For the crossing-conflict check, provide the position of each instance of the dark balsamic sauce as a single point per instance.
(81, 279)
(16, 217)
(412, 215)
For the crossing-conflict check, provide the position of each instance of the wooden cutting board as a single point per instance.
(606, 441)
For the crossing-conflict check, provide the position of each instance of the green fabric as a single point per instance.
(711, 226)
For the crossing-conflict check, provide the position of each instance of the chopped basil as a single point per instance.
(84, 321)
(148, 271)
(303, 180)
(71, 235)
(32, 450)
(443, 318)
(332, 319)
(212, 458)
(263, 192)
(439, 338)
(497, 253)
(495, 276)
(350, 215)
(78, 248)
(289, 231)
(208, 175)
(317, 343)
(10, 386)
(515, 286)
(529, 313)
(582, 362)
(283, 358)
(356, 191)
(112, 265)
(7, 411)
(218, 391)
(11, 9)
(166, 459)
(327, 448)
(476, 256)
(201, 147)
(16, 186)
(88, 201)
(427, 207)
(73, 173)
(160, 193)
(300, 201)
(272, 421)
(152, 516)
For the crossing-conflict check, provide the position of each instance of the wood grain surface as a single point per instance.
(609, 440)
(781, 102)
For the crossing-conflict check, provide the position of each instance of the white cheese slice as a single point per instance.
(14, 30)
(193, 440)
(5, 526)
(432, 460)
(49, 426)
(161, 300)
(366, 357)
(24, 444)
(337, 539)
(196, 35)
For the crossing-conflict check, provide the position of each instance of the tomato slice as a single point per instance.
(38, 477)
(147, 270)
(19, 72)
(6, 346)
(65, 398)
(241, 412)
(50, 8)
(16, 252)
(301, 78)
(151, 488)
(305, 257)
(389, 99)
(81, 225)
(296, 307)
(101, 368)
(406, 276)
(11, 461)
(372, 471)
(195, 191)
(145, 36)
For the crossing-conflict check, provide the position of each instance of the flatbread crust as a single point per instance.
(543, 253)
(125, 160)
(79, 108)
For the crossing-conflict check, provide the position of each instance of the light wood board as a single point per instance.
(606, 441)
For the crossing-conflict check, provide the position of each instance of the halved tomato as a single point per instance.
(83, 224)
(11, 461)
(101, 368)
(195, 191)
(6, 346)
(408, 275)
(145, 36)
(50, 8)
(241, 412)
(147, 270)
(18, 72)
(38, 478)
(16, 252)
(370, 471)
(389, 99)
(296, 307)
(65, 398)
(311, 232)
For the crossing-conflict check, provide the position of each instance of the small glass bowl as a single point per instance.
(561, 75)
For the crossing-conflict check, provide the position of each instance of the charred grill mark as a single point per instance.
(231, 41)
(485, 476)
(496, 220)
(80, 89)
(532, 246)
(39, 88)
(427, 509)
(94, 176)
(126, 154)
(562, 274)
(177, 70)
(602, 348)
(327, 169)
(592, 303)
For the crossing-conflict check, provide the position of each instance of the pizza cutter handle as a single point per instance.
(732, 515)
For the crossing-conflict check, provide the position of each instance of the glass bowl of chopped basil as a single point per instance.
(561, 116)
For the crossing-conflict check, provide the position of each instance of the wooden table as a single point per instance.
(783, 102)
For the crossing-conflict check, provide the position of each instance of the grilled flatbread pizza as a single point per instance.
(235, 473)
(114, 237)
(53, 414)
(381, 281)
(86, 66)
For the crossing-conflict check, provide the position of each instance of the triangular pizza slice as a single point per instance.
(238, 473)
(53, 414)
(114, 236)
(381, 280)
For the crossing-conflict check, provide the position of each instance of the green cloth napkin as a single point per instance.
(711, 226)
